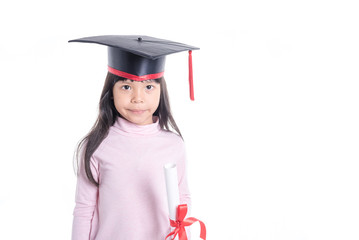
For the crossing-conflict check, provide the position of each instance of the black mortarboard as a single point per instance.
(139, 57)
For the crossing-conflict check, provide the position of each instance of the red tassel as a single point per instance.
(190, 77)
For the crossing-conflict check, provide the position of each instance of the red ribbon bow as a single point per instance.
(180, 223)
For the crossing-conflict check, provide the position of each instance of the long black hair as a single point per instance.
(107, 117)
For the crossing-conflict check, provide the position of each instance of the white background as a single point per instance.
(272, 137)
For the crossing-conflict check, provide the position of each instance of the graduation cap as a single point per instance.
(140, 58)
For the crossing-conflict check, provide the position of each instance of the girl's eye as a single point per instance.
(126, 87)
(149, 87)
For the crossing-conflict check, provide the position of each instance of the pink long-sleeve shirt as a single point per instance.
(131, 201)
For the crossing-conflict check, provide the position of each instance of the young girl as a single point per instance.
(121, 193)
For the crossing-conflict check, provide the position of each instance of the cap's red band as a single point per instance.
(135, 77)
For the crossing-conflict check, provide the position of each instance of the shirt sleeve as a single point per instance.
(184, 193)
(86, 202)
(185, 196)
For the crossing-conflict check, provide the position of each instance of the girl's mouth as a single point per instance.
(136, 111)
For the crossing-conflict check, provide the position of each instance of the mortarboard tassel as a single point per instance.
(190, 71)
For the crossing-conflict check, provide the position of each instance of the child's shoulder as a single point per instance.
(171, 136)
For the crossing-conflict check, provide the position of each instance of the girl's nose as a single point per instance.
(137, 96)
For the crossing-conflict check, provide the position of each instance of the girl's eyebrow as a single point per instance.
(144, 81)
(147, 81)
(128, 80)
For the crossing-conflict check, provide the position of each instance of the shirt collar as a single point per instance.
(128, 128)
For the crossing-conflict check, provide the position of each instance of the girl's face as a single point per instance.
(137, 101)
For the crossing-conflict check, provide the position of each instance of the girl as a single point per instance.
(121, 192)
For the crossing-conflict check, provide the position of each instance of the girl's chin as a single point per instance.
(140, 120)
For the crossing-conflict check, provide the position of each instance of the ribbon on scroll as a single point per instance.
(181, 223)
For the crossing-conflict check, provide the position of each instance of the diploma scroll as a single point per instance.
(172, 189)
(177, 212)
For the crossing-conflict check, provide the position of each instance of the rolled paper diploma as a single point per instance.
(172, 190)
